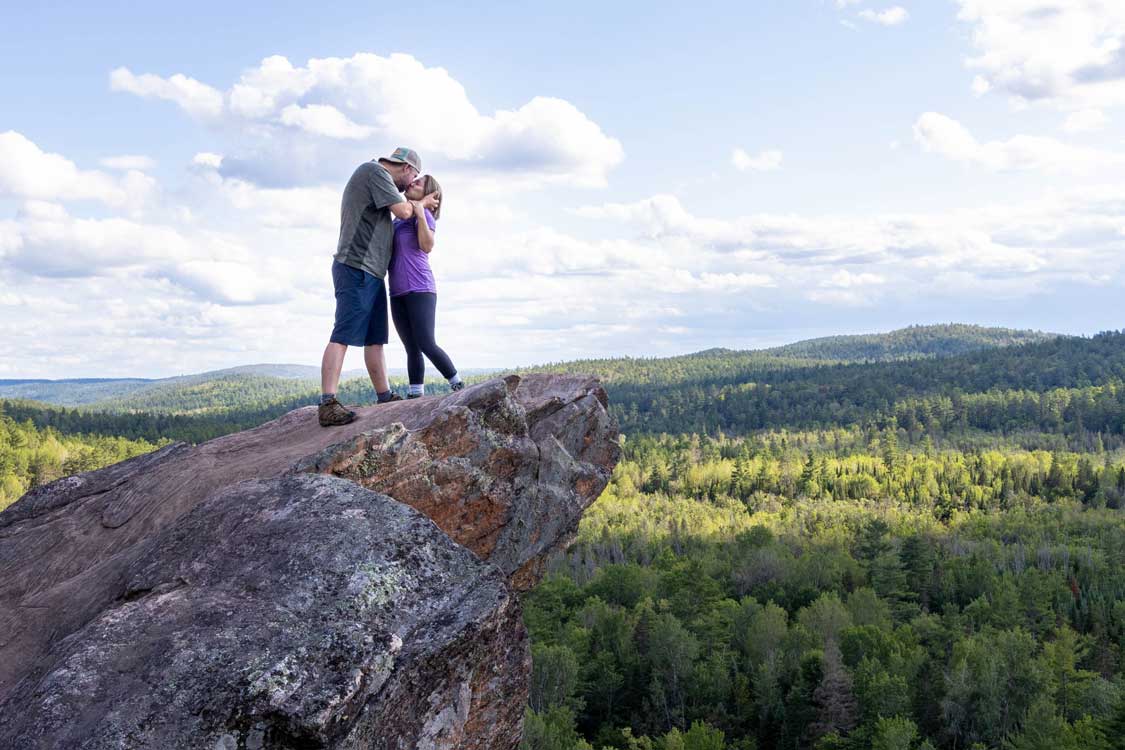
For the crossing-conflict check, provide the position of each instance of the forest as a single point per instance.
(837, 589)
(31, 456)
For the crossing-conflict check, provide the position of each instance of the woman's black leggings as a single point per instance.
(415, 315)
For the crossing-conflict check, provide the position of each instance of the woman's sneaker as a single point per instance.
(333, 414)
(457, 386)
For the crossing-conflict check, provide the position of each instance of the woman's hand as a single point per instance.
(432, 201)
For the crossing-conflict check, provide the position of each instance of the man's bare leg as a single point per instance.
(331, 365)
(376, 367)
(331, 413)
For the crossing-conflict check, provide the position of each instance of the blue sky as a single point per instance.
(621, 178)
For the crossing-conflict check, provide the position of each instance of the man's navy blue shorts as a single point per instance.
(361, 307)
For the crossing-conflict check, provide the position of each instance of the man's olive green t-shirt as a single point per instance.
(366, 224)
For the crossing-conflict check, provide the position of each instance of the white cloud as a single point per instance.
(981, 86)
(765, 161)
(323, 119)
(128, 161)
(1061, 236)
(229, 282)
(943, 135)
(285, 207)
(663, 216)
(842, 297)
(26, 171)
(216, 296)
(844, 279)
(44, 241)
(207, 159)
(1067, 52)
(890, 17)
(1085, 121)
(393, 100)
(195, 98)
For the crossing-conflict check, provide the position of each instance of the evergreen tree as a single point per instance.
(834, 698)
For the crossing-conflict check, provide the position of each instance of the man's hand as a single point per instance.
(432, 201)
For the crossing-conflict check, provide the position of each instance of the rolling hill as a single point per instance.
(909, 343)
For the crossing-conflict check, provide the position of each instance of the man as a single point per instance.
(372, 199)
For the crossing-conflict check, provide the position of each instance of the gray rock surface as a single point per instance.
(301, 611)
(151, 597)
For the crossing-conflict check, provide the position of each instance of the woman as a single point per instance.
(413, 291)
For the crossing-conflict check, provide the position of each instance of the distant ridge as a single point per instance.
(906, 343)
(717, 389)
(262, 384)
(305, 372)
(1029, 383)
(74, 392)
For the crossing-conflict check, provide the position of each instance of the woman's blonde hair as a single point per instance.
(430, 185)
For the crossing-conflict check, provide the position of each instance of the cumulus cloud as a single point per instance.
(765, 161)
(323, 119)
(195, 98)
(537, 294)
(1085, 121)
(664, 216)
(1070, 53)
(284, 207)
(937, 133)
(1059, 236)
(848, 289)
(45, 241)
(26, 171)
(374, 101)
(890, 17)
(844, 279)
(208, 160)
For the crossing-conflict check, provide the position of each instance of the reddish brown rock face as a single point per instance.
(90, 578)
(507, 481)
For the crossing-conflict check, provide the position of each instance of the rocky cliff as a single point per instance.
(299, 587)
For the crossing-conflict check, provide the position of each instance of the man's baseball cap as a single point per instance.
(403, 155)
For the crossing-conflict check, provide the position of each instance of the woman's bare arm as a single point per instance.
(425, 234)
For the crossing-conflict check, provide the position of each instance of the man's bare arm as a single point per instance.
(404, 210)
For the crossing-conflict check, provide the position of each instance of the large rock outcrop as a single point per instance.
(294, 586)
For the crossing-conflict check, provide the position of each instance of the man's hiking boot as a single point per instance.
(393, 397)
(333, 414)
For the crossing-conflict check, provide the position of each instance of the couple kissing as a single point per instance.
(388, 220)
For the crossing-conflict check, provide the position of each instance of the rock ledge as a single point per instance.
(298, 587)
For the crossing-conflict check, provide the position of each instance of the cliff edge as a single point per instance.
(293, 586)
